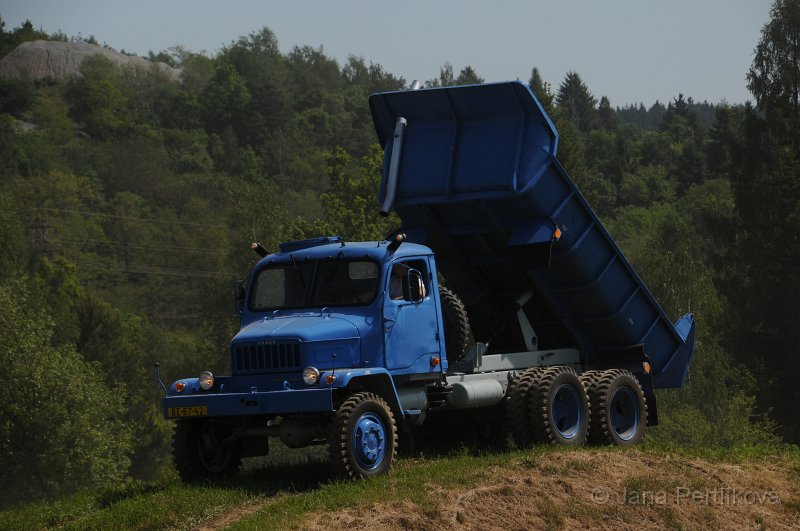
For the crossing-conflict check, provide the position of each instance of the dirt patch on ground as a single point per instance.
(232, 517)
(577, 490)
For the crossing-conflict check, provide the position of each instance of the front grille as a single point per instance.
(267, 356)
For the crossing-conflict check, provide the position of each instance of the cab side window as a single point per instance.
(399, 279)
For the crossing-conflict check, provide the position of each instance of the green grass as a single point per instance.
(164, 504)
(719, 454)
(412, 480)
(286, 493)
(171, 505)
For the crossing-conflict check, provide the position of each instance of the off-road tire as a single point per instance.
(457, 334)
(603, 387)
(551, 387)
(361, 409)
(195, 459)
(518, 417)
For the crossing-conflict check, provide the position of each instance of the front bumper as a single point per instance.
(254, 403)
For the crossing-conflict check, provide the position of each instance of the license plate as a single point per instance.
(188, 411)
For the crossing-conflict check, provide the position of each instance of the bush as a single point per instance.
(61, 427)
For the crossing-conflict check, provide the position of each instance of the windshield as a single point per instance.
(335, 282)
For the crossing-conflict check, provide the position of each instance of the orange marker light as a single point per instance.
(557, 233)
(434, 361)
(180, 386)
(646, 367)
(330, 379)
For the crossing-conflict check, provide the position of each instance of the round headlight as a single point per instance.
(206, 380)
(310, 375)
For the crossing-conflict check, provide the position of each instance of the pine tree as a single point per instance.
(605, 115)
(774, 77)
(576, 102)
(541, 89)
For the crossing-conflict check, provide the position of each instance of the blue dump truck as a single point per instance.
(543, 323)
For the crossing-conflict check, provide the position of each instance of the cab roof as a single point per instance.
(335, 247)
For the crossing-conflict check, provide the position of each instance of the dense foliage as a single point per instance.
(127, 202)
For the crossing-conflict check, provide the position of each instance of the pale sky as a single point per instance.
(628, 50)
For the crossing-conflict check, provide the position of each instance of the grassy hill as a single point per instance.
(545, 487)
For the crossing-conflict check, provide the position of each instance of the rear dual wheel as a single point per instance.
(552, 405)
(549, 405)
(619, 408)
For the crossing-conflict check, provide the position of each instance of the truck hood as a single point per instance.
(307, 328)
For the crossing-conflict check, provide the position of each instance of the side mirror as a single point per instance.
(239, 290)
(416, 286)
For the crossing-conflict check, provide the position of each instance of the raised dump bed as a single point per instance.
(472, 173)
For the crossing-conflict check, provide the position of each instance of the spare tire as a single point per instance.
(457, 335)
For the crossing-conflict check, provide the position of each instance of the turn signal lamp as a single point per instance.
(647, 368)
(557, 234)
(180, 386)
(329, 379)
(434, 361)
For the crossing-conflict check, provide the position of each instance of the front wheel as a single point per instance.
(205, 449)
(363, 437)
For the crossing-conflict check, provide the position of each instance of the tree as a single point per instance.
(685, 137)
(12, 238)
(773, 77)
(24, 33)
(351, 207)
(446, 77)
(576, 102)
(541, 89)
(61, 426)
(372, 78)
(225, 98)
(724, 141)
(767, 190)
(468, 76)
(99, 100)
(606, 117)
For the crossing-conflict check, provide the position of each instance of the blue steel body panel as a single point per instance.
(478, 176)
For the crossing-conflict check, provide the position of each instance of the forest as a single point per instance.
(128, 202)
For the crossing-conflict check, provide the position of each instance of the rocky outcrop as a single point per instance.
(62, 60)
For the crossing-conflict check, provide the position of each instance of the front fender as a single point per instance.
(192, 387)
(375, 380)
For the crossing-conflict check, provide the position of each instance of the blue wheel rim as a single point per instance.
(369, 441)
(624, 413)
(566, 411)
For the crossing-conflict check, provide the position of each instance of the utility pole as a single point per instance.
(40, 238)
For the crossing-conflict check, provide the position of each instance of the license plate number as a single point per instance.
(188, 411)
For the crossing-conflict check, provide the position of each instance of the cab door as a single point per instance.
(411, 329)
